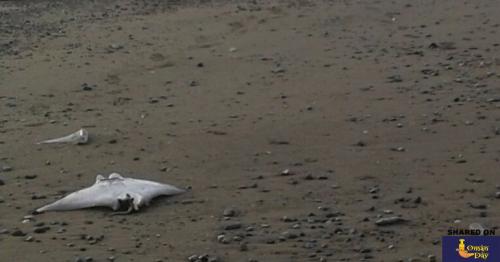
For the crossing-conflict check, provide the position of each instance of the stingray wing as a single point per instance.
(101, 193)
(149, 189)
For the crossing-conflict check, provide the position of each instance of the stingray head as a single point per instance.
(125, 203)
(128, 202)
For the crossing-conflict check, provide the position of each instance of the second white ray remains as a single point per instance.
(116, 192)
(79, 137)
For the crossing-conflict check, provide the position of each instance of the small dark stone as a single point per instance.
(361, 144)
(40, 230)
(395, 79)
(323, 177)
(232, 226)
(30, 176)
(270, 241)
(478, 206)
(18, 233)
(86, 87)
(309, 177)
(38, 197)
(279, 142)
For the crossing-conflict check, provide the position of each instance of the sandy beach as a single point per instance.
(296, 126)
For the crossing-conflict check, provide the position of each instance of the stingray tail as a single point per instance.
(66, 203)
(50, 207)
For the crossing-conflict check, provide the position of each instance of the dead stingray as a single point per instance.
(116, 192)
(79, 137)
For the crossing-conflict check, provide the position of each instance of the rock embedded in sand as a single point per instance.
(289, 235)
(87, 87)
(232, 226)
(497, 195)
(5, 168)
(287, 219)
(202, 258)
(287, 172)
(84, 259)
(30, 177)
(18, 233)
(222, 239)
(230, 212)
(115, 46)
(278, 70)
(478, 205)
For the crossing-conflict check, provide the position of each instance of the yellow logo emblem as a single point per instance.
(477, 252)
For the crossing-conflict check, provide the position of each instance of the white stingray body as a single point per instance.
(108, 192)
(79, 137)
